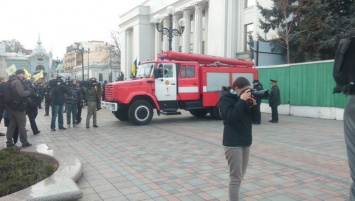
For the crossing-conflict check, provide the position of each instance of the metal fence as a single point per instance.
(304, 84)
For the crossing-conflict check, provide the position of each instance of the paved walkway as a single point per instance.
(181, 158)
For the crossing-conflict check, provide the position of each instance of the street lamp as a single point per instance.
(82, 50)
(169, 31)
(88, 51)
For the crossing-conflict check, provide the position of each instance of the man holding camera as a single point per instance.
(274, 101)
(57, 96)
(92, 97)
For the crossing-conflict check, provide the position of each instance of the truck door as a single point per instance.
(165, 84)
(189, 83)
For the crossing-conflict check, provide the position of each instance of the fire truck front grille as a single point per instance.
(109, 92)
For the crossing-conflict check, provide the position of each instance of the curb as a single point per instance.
(61, 185)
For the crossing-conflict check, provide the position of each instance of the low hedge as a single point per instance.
(20, 170)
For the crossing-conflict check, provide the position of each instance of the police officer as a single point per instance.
(274, 101)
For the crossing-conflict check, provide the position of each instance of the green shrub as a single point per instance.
(20, 170)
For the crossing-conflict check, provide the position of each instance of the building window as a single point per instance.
(190, 72)
(183, 72)
(248, 32)
(249, 3)
(187, 72)
(100, 77)
(180, 48)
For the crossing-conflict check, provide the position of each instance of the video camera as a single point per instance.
(262, 94)
(90, 83)
(54, 82)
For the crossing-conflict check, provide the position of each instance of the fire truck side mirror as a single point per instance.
(157, 73)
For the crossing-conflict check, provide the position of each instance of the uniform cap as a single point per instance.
(273, 80)
(255, 81)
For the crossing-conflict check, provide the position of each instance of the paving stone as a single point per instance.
(181, 158)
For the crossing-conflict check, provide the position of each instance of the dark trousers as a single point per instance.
(72, 110)
(32, 117)
(40, 103)
(78, 115)
(17, 119)
(46, 107)
(349, 134)
(274, 113)
(258, 119)
(15, 134)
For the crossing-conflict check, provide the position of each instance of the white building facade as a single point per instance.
(213, 27)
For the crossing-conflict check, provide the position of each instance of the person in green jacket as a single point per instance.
(92, 95)
(274, 101)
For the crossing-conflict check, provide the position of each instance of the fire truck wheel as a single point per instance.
(121, 115)
(140, 112)
(199, 113)
(215, 113)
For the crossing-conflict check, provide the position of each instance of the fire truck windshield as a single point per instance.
(145, 70)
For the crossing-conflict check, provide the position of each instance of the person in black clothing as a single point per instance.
(32, 106)
(80, 103)
(238, 110)
(2, 105)
(274, 101)
(57, 97)
(39, 89)
(258, 86)
(47, 100)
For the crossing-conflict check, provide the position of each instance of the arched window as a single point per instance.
(39, 67)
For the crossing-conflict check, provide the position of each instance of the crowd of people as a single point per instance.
(58, 96)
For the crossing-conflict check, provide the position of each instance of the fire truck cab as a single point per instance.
(177, 81)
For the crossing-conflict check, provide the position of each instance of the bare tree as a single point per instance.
(284, 18)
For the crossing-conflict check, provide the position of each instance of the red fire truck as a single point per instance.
(176, 81)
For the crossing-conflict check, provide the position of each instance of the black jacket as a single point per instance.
(238, 116)
(274, 97)
(57, 95)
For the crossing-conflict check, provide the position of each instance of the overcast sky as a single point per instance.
(60, 22)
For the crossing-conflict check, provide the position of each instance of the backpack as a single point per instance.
(344, 67)
(7, 95)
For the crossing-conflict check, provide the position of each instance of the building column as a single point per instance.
(231, 32)
(158, 43)
(186, 34)
(176, 39)
(165, 37)
(198, 29)
(128, 53)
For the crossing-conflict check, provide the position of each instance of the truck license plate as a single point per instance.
(109, 106)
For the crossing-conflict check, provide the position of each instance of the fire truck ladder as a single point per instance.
(205, 59)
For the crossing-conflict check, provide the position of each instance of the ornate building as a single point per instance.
(38, 60)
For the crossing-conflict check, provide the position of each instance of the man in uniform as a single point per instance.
(274, 101)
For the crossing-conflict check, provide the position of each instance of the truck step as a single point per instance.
(170, 113)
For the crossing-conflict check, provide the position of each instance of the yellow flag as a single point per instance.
(27, 74)
(59, 67)
(134, 68)
(11, 69)
(38, 75)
